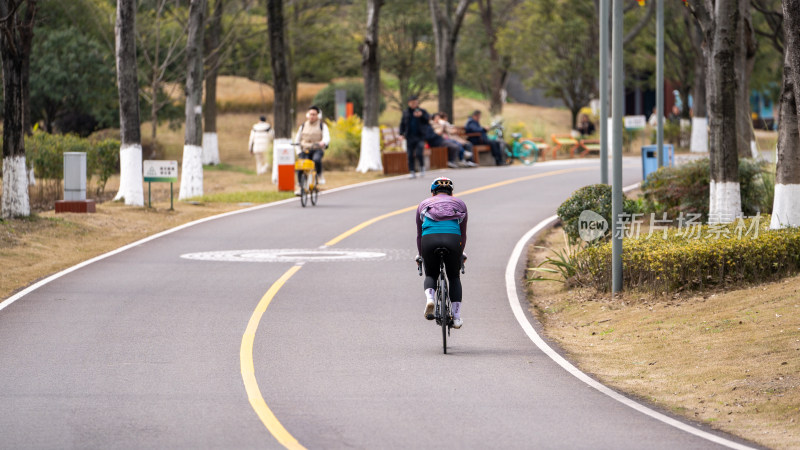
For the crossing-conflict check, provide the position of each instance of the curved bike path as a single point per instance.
(146, 348)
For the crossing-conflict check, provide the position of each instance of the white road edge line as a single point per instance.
(519, 314)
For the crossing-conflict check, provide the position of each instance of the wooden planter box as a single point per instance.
(396, 163)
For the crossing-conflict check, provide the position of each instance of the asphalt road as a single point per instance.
(149, 348)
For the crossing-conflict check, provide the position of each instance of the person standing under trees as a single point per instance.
(414, 128)
(314, 137)
(261, 137)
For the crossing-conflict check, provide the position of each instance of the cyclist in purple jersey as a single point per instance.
(442, 223)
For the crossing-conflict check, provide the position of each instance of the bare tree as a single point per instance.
(16, 201)
(159, 56)
(213, 50)
(500, 64)
(405, 30)
(786, 206)
(446, 26)
(721, 25)
(192, 166)
(370, 155)
(130, 152)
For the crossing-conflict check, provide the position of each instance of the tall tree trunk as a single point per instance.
(210, 140)
(370, 155)
(786, 206)
(16, 201)
(130, 153)
(745, 61)
(725, 199)
(699, 140)
(281, 75)
(499, 65)
(26, 32)
(192, 166)
(281, 81)
(446, 26)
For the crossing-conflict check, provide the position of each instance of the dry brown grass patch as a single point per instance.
(729, 359)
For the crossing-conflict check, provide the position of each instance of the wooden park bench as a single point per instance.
(477, 150)
(588, 146)
(565, 141)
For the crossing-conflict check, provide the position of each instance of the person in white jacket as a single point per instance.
(261, 137)
(314, 137)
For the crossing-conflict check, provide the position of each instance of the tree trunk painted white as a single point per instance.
(786, 206)
(130, 178)
(191, 172)
(130, 152)
(15, 187)
(192, 166)
(725, 201)
(370, 156)
(210, 149)
(31, 178)
(699, 143)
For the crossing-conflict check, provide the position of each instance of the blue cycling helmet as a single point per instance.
(442, 184)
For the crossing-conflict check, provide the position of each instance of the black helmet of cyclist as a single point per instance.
(442, 184)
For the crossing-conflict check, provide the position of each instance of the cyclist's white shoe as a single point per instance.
(457, 323)
(429, 310)
(320, 180)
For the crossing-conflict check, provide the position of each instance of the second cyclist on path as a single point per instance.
(314, 137)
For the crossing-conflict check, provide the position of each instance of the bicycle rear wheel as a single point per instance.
(303, 181)
(441, 298)
(314, 194)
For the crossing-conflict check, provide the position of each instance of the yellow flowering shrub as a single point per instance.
(745, 251)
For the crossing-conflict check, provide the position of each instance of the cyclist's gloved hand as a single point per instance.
(418, 259)
(463, 257)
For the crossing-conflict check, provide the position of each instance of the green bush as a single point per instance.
(45, 153)
(694, 257)
(326, 98)
(345, 145)
(684, 189)
(597, 198)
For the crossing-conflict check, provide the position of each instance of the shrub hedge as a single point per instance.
(345, 143)
(326, 98)
(597, 198)
(45, 153)
(744, 251)
(684, 189)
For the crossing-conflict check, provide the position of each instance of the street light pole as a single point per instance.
(604, 91)
(617, 95)
(660, 79)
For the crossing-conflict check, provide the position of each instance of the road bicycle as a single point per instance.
(306, 178)
(523, 150)
(442, 312)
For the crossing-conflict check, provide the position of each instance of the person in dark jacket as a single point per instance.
(415, 128)
(474, 127)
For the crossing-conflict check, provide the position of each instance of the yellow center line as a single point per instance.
(369, 222)
(246, 351)
(248, 370)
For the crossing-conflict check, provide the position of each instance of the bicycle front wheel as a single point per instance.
(314, 194)
(303, 181)
(528, 153)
